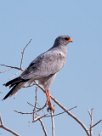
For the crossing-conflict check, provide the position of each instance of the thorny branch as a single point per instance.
(7, 129)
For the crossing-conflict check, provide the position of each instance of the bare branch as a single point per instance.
(53, 124)
(39, 109)
(45, 115)
(12, 67)
(68, 112)
(22, 53)
(23, 112)
(7, 129)
(63, 112)
(96, 123)
(71, 115)
(43, 128)
(35, 103)
(35, 114)
(36, 117)
(30, 104)
(39, 117)
(91, 121)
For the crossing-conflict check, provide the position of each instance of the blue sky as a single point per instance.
(80, 81)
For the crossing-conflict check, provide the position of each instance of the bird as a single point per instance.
(43, 69)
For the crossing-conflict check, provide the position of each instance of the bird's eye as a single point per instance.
(66, 38)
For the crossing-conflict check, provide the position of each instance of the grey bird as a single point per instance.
(43, 69)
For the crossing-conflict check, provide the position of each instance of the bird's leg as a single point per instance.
(48, 97)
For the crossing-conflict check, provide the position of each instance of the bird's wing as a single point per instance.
(44, 65)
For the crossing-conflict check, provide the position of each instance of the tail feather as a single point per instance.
(16, 84)
(13, 81)
(14, 90)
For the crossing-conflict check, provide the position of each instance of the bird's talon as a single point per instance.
(51, 108)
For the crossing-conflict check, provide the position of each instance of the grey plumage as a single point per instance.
(44, 68)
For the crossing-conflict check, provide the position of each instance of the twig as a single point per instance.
(29, 113)
(43, 128)
(53, 124)
(96, 123)
(45, 115)
(71, 115)
(63, 112)
(13, 67)
(22, 53)
(91, 121)
(39, 117)
(21, 61)
(55, 115)
(39, 109)
(7, 129)
(30, 104)
(35, 114)
(35, 103)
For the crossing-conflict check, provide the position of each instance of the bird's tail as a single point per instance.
(15, 85)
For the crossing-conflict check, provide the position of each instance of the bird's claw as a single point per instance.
(50, 107)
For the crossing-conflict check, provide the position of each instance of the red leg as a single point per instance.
(50, 107)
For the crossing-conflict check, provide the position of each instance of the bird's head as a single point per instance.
(62, 40)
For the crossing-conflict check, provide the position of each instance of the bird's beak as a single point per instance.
(70, 40)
